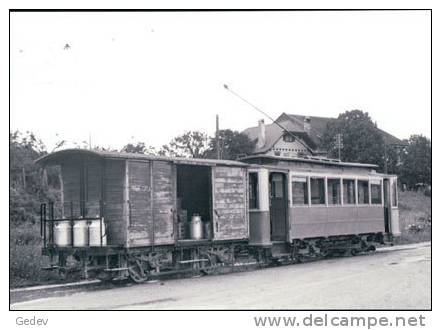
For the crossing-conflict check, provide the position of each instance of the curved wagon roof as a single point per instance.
(56, 157)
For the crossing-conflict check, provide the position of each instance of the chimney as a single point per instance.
(307, 124)
(261, 134)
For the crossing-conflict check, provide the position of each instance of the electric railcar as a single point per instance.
(135, 216)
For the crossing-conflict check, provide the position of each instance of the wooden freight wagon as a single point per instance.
(147, 204)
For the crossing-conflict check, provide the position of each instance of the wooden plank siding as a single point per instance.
(229, 203)
(163, 202)
(114, 202)
(139, 195)
(71, 172)
(93, 190)
(152, 203)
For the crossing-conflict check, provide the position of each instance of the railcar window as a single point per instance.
(375, 192)
(348, 191)
(317, 191)
(299, 191)
(363, 192)
(334, 191)
(394, 193)
(253, 191)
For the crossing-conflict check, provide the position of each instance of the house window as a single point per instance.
(376, 192)
(253, 191)
(334, 191)
(299, 188)
(363, 192)
(348, 191)
(317, 191)
(288, 138)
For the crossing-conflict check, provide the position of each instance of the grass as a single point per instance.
(415, 208)
(26, 260)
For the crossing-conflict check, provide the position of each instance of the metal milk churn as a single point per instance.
(62, 233)
(196, 229)
(97, 230)
(80, 233)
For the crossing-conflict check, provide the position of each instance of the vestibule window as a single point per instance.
(253, 191)
(394, 193)
(334, 192)
(299, 191)
(363, 192)
(317, 191)
(348, 191)
(376, 192)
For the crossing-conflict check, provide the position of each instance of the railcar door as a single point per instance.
(278, 206)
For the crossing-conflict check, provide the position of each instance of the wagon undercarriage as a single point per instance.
(193, 258)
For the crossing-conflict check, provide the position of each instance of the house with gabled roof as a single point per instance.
(297, 136)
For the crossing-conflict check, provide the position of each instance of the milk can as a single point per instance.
(62, 233)
(80, 233)
(196, 230)
(96, 232)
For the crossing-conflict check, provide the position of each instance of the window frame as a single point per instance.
(325, 201)
(308, 196)
(376, 182)
(256, 173)
(368, 192)
(394, 192)
(354, 180)
(340, 188)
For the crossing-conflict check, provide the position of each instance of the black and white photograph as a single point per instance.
(221, 160)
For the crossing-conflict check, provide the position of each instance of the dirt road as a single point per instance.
(390, 279)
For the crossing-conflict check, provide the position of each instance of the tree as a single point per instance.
(192, 144)
(232, 144)
(362, 141)
(30, 185)
(417, 162)
(139, 148)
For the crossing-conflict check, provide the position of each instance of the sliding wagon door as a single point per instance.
(151, 196)
(230, 219)
(164, 176)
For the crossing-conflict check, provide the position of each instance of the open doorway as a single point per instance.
(193, 198)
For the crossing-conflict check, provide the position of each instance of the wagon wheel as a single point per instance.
(138, 272)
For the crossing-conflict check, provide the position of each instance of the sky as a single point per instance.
(149, 76)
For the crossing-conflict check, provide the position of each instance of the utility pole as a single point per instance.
(218, 155)
(338, 144)
(385, 158)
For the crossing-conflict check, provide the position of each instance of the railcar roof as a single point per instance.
(55, 157)
(316, 160)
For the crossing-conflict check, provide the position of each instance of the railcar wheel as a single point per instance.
(371, 249)
(137, 268)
